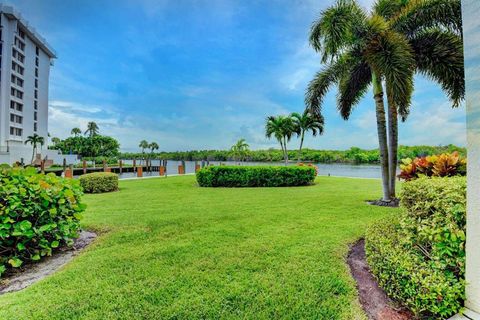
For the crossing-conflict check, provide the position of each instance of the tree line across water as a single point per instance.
(352, 155)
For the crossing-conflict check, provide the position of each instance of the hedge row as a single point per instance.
(38, 213)
(255, 176)
(419, 257)
(99, 182)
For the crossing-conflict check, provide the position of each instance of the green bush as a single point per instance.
(98, 182)
(259, 176)
(419, 257)
(38, 213)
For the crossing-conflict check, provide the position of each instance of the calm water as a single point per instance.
(335, 169)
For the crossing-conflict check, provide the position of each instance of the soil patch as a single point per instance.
(373, 299)
(34, 272)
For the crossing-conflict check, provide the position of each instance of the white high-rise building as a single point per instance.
(25, 60)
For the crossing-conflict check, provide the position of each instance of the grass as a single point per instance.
(171, 250)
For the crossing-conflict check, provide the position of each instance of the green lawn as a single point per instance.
(171, 250)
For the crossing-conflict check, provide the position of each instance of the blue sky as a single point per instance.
(202, 74)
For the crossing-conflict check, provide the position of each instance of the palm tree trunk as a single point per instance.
(281, 145)
(301, 145)
(33, 153)
(382, 134)
(393, 143)
(286, 151)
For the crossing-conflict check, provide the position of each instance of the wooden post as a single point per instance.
(161, 170)
(139, 171)
(84, 167)
(68, 173)
(108, 169)
(120, 166)
(181, 169)
(64, 164)
(197, 166)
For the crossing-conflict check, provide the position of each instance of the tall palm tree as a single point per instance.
(360, 50)
(240, 150)
(34, 141)
(307, 122)
(433, 29)
(282, 128)
(76, 132)
(92, 129)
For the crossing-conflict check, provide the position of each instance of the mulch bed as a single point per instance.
(373, 299)
(33, 272)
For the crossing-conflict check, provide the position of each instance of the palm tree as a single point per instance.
(92, 129)
(282, 128)
(307, 122)
(434, 32)
(76, 132)
(240, 149)
(153, 146)
(34, 140)
(56, 140)
(361, 50)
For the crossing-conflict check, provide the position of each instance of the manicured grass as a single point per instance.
(169, 249)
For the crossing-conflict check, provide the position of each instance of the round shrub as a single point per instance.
(38, 213)
(255, 176)
(419, 256)
(98, 182)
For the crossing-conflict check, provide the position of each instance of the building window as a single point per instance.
(36, 83)
(15, 118)
(21, 33)
(36, 72)
(37, 51)
(12, 104)
(36, 61)
(35, 126)
(12, 117)
(12, 131)
(16, 131)
(35, 116)
(36, 94)
(35, 105)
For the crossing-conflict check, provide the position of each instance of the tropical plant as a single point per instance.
(443, 165)
(56, 140)
(92, 129)
(282, 128)
(76, 132)
(307, 122)
(240, 150)
(153, 146)
(433, 28)
(34, 141)
(387, 46)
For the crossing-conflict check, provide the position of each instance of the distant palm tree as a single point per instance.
(240, 150)
(153, 146)
(282, 128)
(34, 141)
(92, 129)
(76, 132)
(307, 122)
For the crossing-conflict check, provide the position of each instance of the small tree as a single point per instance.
(76, 132)
(282, 128)
(153, 146)
(306, 122)
(240, 150)
(34, 140)
(92, 129)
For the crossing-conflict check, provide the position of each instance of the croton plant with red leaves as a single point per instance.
(443, 165)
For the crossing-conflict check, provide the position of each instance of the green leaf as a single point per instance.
(55, 244)
(15, 262)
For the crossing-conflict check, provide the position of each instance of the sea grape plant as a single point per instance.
(38, 214)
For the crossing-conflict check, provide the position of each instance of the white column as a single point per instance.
(471, 26)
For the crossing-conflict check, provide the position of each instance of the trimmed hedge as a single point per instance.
(99, 182)
(255, 176)
(38, 213)
(419, 256)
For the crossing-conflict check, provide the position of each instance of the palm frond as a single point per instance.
(439, 56)
(389, 8)
(389, 55)
(352, 87)
(323, 80)
(424, 14)
(336, 27)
